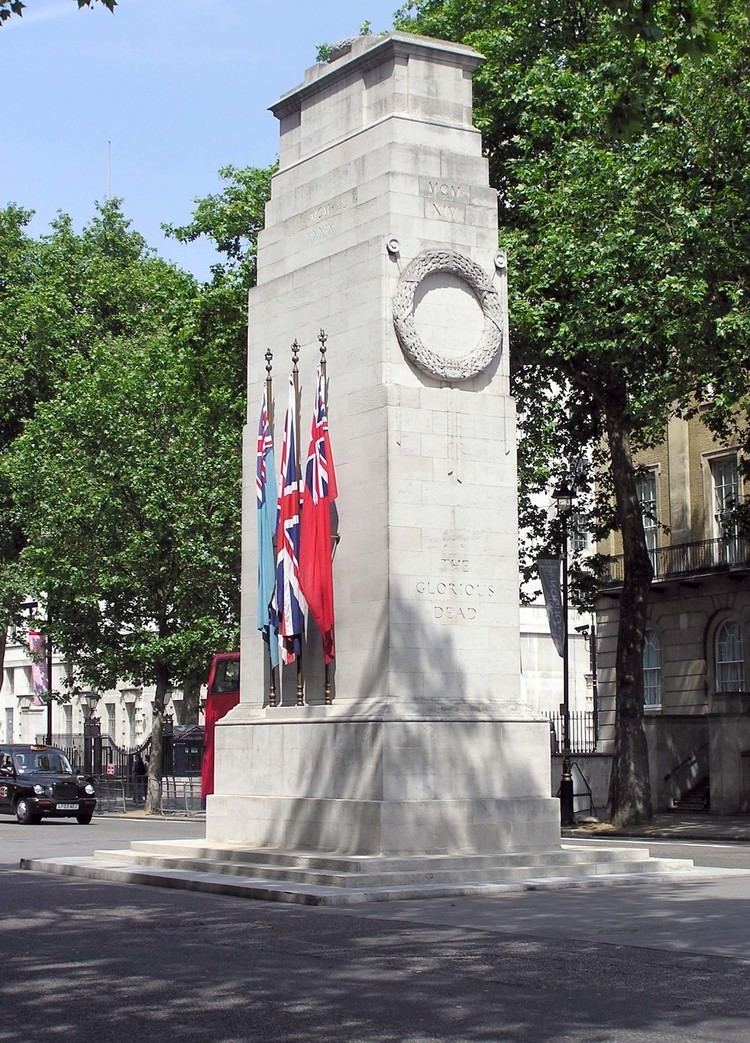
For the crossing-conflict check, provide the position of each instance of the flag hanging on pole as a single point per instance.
(316, 571)
(267, 504)
(290, 603)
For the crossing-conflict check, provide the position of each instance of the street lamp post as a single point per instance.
(565, 497)
(91, 733)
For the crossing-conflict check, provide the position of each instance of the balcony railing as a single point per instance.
(685, 559)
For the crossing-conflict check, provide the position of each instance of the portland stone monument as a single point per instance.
(382, 230)
(426, 774)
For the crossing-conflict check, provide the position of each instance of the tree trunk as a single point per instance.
(154, 776)
(630, 789)
(191, 696)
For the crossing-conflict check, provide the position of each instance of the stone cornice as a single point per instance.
(392, 45)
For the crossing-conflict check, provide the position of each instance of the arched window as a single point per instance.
(729, 659)
(651, 670)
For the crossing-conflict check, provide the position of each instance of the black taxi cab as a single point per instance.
(38, 782)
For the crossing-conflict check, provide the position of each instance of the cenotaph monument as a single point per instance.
(382, 230)
(425, 773)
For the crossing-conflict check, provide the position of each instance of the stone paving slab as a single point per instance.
(671, 827)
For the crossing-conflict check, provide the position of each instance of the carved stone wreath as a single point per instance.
(491, 340)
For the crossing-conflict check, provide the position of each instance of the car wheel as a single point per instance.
(84, 817)
(26, 814)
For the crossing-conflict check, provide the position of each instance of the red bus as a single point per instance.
(223, 694)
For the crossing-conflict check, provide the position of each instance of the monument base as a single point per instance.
(383, 786)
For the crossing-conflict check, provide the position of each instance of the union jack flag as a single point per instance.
(290, 602)
(316, 572)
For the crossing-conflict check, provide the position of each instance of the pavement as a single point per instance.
(671, 826)
(653, 962)
(95, 961)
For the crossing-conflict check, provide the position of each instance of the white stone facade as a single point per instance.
(429, 746)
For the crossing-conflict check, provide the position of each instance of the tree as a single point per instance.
(232, 218)
(127, 485)
(628, 282)
(58, 296)
(97, 313)
(8, 8)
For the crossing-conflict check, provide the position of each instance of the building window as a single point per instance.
(646, 491)
(579, 533)
(725, 480)
(729, 658)
(111, 720)
(651, 670)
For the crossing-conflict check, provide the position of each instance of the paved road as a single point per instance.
(54, 838)
(726, 854)
(99, 962)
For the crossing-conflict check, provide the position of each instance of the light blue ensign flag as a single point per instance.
(267, 503)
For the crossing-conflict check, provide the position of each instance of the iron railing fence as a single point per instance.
(96, 754)
(119, 786)
(583, 731)
(684, 558)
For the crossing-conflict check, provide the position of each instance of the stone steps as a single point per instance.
(555, 866)
(312, 879)
(362, 864)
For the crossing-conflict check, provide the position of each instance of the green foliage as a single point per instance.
(121, 408)
(8, 8)
(58, 296)
(621, 166)
(323, 52)
(127, 486)
(232, 218)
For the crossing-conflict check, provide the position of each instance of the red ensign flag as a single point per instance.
(316, 569)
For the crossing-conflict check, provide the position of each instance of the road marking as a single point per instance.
(645, 841)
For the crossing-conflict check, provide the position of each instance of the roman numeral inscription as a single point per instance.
(444, 200)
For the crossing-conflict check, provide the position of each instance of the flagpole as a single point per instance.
(300, 700)
(272, 691)
(323, 338)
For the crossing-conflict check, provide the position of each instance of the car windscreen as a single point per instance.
(28, 761)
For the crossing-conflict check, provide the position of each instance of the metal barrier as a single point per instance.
(180, 797)
(110, 796)
(582, 731)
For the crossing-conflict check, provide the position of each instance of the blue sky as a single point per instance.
(179, 87)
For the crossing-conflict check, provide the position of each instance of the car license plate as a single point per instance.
(67, 807)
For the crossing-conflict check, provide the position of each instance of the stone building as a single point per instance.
(696, 673)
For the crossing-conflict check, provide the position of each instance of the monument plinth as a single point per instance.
(382, 229)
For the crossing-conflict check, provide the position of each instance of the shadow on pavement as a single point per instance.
(114, 964)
